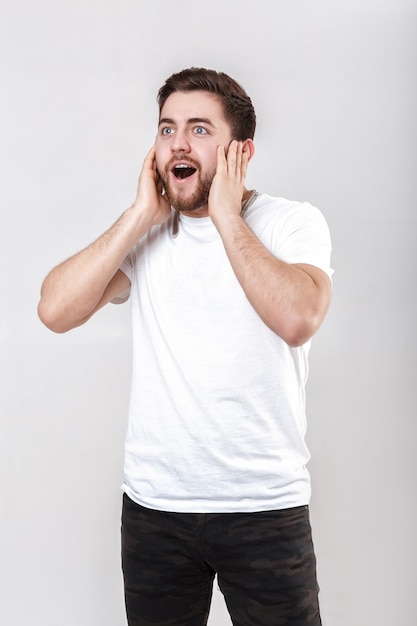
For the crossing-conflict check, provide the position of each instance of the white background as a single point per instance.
(334, 87)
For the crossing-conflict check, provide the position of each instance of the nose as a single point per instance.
(180, 142)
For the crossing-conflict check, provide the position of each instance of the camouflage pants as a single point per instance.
(264, 562)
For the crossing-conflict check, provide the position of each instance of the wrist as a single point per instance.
(227, 220)
(139, 218)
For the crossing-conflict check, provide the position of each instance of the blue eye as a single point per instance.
(200, 130)
(167, 130)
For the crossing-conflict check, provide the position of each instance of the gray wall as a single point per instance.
(334, 87)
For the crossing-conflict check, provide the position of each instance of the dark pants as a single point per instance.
(264, 562)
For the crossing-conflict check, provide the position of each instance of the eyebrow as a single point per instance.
(191, 120)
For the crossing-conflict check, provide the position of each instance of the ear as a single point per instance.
(249, 148)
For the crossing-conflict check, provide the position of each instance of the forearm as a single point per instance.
(73, 290)
(291, 299)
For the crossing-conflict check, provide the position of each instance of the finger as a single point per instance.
(231, 157)
(244, 162)
(239, 157)
(149, 162)
(221, 159)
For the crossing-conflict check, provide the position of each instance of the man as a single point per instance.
(227, 287)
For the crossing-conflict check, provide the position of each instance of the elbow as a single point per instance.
(51, 318)
(299, 331)
(303, 324)
(296, 337)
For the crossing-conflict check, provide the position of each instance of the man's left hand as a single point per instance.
(227, 188)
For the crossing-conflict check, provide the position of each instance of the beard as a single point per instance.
(178, 198)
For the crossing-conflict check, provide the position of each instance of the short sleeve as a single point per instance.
(303, 237)
(127, 267)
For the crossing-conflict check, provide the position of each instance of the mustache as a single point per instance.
(174, 160)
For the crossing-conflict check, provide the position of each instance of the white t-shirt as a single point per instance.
(217, 408)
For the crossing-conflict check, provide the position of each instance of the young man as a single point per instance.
(227, 288)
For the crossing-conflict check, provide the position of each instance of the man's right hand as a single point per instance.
(150, 197)
(77, 288)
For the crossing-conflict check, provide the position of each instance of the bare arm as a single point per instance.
(74, 290)
(292, 300)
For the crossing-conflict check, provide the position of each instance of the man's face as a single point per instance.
(191, 126)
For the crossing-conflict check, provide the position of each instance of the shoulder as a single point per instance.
(295, 232)
(280, 215)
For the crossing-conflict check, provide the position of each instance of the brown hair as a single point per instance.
(237, 105)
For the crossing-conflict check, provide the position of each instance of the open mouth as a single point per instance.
(183, 171)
